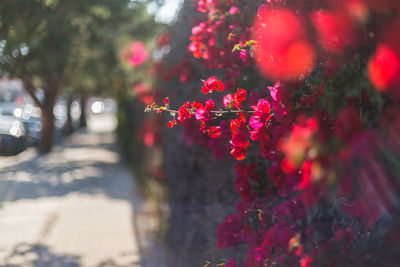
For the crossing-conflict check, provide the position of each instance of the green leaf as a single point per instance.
(250, 43)
(237, 47)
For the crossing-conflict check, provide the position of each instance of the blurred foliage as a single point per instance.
(77, 41)
(68, 45)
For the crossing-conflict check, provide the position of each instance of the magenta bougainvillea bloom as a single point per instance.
(261, 114)
(316, 146)
(212, 84)
(184, 112)
(136, 54)
(203, 112)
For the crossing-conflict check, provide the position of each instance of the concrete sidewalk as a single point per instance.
(77, 206)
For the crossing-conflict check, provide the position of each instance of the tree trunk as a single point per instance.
(69, 128)
(47, 138)
(82, 120)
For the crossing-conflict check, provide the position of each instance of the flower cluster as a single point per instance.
(317, 147)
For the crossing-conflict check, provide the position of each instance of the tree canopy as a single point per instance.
(58, 44)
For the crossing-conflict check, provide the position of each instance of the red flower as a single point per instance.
(238, 125)
(211, 85)
(335, 30)
(295, 146)
(238, 98)
(235, 100)
(184, 112)
(172, 123)
(238, 153)
(283, 51)
(384, 67)
(306, 261)
(163, 39)
(240, 139)
(166, 101)
(214, 132)
(305, 175)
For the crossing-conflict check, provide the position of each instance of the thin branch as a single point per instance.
(220, 112)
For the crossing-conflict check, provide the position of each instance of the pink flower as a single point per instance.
(195, 48)
(227, 100)
(245, 56)
(137, 54)
(261, 114)
(197, 30)
(273, 90)
(233, 10)
(202, 114)
(211, 85)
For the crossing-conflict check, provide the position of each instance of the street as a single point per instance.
(76, 206)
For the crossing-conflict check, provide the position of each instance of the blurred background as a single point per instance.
(87, 178)
(68, 193)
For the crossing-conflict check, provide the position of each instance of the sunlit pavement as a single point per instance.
(77, 206)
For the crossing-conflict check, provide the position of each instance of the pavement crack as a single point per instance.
(46, 227)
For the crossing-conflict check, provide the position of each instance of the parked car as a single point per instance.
(12, 135)
(15, 102)
(29, 115)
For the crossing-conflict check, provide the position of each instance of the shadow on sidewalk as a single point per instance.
(38, 256)
(88, 163)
